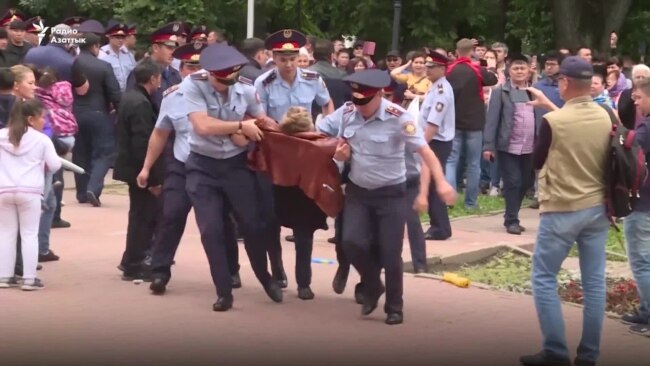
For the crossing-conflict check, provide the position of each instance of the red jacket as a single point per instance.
(303, 160)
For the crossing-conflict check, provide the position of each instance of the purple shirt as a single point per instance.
(523, 131)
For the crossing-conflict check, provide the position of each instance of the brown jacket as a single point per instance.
(303, 160)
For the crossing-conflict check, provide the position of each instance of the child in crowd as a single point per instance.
(25, 154)
(57, 98)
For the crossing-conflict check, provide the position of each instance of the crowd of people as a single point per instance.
(289, 130)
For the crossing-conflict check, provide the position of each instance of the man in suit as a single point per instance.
(135, 122)
(95, 142)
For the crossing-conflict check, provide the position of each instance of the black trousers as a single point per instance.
(438, 215)
(143, 211)
(212, 184)
(414, 226)
(381, 214)
(176, 207)
(265, 198)
(517, 174)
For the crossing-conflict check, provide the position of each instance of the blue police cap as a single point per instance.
(167, 34)
(576, 68)
(91, 26)
(222, 60)
(287, 41)
(115, 28)
(189, 53)
(368, 82)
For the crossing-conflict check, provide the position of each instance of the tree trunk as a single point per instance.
(567, 23)
(614, 14)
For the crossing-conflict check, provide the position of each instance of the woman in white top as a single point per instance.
(25, 153)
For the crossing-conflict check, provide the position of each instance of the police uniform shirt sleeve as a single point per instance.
(439, 105)
(194, 100)
(164, 121)
(330, 124)
(322, 94)
(254, 106)
(412, 133)
(262, 93)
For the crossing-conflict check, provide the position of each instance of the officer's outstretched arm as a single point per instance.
(443, 188)
(157, 143)
(204, 125)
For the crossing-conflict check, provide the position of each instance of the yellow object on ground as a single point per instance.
(454, 279)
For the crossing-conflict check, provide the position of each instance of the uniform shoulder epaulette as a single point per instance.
(394, 111)
(269, 79)
(310, 75)
(170, 90)
(441, 89)
(349, 107)
(245, 80)
(107, 51)
(202, 75)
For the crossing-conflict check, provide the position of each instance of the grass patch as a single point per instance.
(614, 240)
(486, 205)
(512, 271)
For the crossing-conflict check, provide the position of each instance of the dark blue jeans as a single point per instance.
(94, 151)
(517, 174)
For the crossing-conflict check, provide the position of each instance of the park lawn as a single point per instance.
(615, 244)
(486, 205)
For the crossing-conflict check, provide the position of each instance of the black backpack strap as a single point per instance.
(611, 114)
(608, 182)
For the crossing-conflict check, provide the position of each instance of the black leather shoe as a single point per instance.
(92, 199)
(394, 318)
(158, 286)
(358, 293)
(282, 279)
(540, 359)
(370, 301)
(514, 229)
(236, 281)
(340, 280)
(274, 291)
(223, 304)
(429, 236)
(419, 270)
(305, 293)
(60, 224)
(289, 238)
(332, 240)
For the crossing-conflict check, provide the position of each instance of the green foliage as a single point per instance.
(436, 23)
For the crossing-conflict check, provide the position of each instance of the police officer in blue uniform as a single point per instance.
(438, 121)
(280, 88)
(216, 168)
(116, 53)
(177, 203)
(164, 41)
(377, 135)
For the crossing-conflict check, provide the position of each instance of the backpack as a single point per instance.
(626, 169)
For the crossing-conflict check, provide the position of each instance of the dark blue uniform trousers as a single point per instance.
(94, 150)
(266, 202)
(211, 185)
(414, 226)
(176, 207)
(379, 213)
(438, 216)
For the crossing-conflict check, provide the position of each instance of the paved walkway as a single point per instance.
(88, 316)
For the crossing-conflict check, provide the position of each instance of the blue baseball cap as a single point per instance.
(575, 67)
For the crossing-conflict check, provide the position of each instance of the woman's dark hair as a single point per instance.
(46, 77)
(354, 62)
(18, 123)
(417, 54)
(489, 50)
